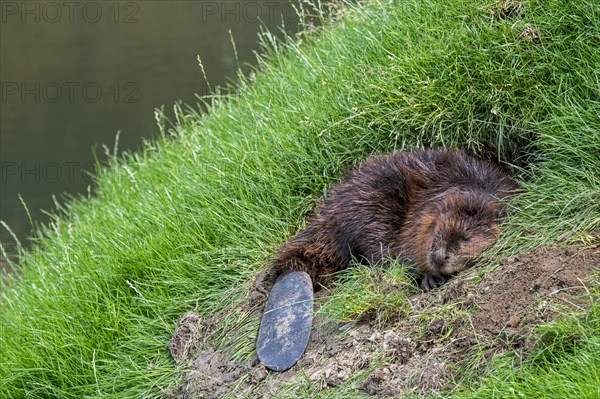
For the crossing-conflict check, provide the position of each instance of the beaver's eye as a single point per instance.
(470, 212)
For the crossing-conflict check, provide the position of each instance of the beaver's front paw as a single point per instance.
(430, 281)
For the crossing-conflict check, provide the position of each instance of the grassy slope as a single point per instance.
(186, 221)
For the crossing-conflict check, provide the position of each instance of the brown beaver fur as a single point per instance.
(434, 208)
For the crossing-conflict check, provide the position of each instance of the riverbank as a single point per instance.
(186, 222)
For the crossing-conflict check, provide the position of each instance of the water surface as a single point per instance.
(75, 73)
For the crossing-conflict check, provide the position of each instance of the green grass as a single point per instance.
(370, 293)
(185, 222)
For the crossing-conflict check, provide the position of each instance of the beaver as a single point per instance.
(434, 208)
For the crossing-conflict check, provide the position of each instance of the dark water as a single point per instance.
(74, 73)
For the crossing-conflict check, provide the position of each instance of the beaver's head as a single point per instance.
(451, 229)
(464, 226)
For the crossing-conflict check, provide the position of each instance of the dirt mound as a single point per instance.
(464, 322)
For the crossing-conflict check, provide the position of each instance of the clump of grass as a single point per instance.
(375, 293)
(185, 222)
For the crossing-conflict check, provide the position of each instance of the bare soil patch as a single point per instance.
(448, 334)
